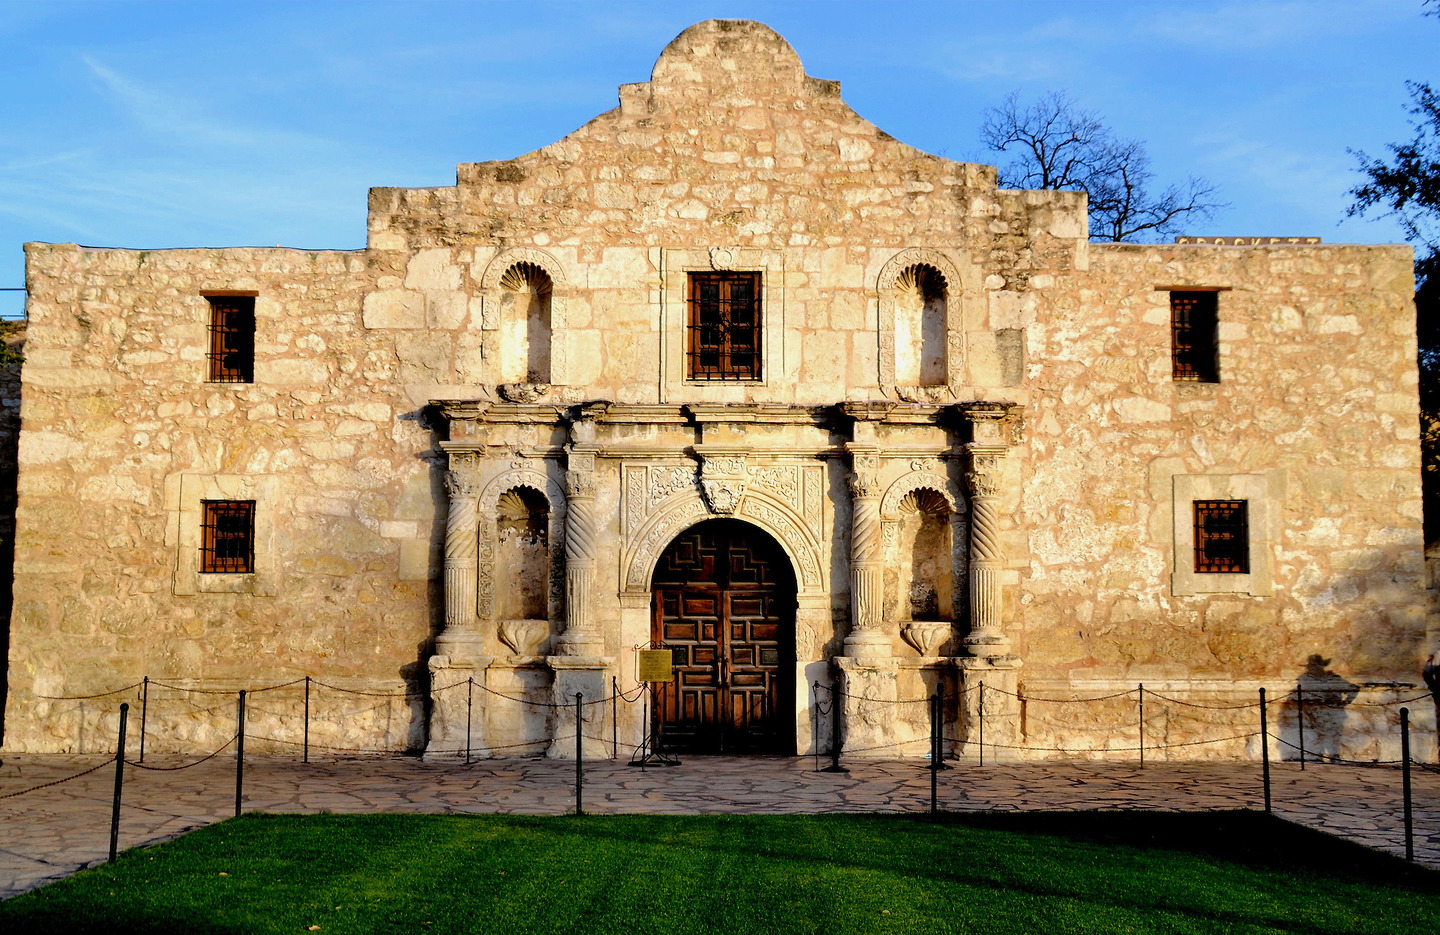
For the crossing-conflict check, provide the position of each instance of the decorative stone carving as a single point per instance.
(924, 394)
(524, 637)
(522, 392)
(926, 636)
(722, 481)
(723, 257)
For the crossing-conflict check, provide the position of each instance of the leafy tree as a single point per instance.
(1407, 187)
(1056, 145)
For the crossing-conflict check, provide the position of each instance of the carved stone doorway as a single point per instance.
(724, 605)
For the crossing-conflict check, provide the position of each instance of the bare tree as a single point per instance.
(1056, 145)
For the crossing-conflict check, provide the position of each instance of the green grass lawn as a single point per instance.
(1233, 872)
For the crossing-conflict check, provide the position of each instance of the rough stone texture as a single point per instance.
(1046, 437)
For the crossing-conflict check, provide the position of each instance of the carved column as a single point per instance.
(867, 559)
(461, 639)
(582, 635)
(990, 425)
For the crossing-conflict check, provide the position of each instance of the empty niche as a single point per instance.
(920, 327)
(525, 294)
(522, 555)
(926, 579)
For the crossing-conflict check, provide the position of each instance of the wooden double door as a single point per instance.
(724, 605)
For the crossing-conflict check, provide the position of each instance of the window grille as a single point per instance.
(1193, 337)
(1222, 534)
(227, 545)
(724, 339)
(232, 339)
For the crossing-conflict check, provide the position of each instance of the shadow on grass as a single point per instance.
(1198, 872)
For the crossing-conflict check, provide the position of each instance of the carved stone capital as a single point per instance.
(864, 485)
(580, 483)
(461, 486)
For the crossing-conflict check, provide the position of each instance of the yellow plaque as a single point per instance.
(654, 665)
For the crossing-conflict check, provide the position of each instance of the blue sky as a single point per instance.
(143, 124)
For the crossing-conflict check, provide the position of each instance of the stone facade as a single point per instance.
(470, 443)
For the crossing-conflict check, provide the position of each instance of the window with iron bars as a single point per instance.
(1194, 341)
(724, 332)
(227, 543)
(232, 338)
(1222, 534)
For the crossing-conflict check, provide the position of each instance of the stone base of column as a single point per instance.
(869, 644)
(589, 676)
(869, 712)
(463, 645)
(448, 702)
(1000, 677)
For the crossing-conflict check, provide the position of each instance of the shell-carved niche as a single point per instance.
(526, 294)
(926, 584)
(920, 325)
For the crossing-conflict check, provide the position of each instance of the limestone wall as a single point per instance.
(1316, 402)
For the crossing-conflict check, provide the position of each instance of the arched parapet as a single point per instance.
(492, 282)
(685, 509)
(958, 279)
(918, 480)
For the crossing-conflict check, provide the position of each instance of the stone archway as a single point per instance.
(723, 603)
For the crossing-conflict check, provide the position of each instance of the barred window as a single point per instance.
(232, 338)
(724, 333)
(1222, 533)
(1194, 341)
(227, 544)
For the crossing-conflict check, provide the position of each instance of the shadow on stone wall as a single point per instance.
(1318, 703)
(416, 675)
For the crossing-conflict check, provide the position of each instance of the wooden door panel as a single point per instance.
(724, 602)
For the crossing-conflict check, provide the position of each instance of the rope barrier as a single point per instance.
(1195, 704)
(56, 782)
(1002, 691)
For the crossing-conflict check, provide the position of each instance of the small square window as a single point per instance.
(1194, 338)
(1222, 534)
(227, 543)
(232, 338)
(724, 332)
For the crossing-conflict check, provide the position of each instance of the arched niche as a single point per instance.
(920, 327)
(925, 529)
(522, 554)
(513, 506)
(523, 311)
(920, 322)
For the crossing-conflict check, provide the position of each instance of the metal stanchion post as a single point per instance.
(469, 705)
(939, 759)
(1405, 780)
(306, 738)
(1265, 751)
(834, 766)
(240, 753)
(982, 723)
(1142, 725)
(119, 781)
(614, 718)
(1300, 722)
(934, 749)
(815, 723)
(144, 711)
(579, 757)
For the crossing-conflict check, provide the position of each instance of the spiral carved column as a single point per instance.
(986, 559)
(461, 638)
(867, 563)
(582, 637)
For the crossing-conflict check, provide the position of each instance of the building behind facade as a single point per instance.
(731, 372)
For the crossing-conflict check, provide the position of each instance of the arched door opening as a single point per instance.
(724, 605)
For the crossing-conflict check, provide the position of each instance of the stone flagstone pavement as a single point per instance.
(55, 831)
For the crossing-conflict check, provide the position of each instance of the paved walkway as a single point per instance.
(52, 832)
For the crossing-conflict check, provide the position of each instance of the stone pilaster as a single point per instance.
(984, 476)
(582, 633)
(462, 640)
(867, 559)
